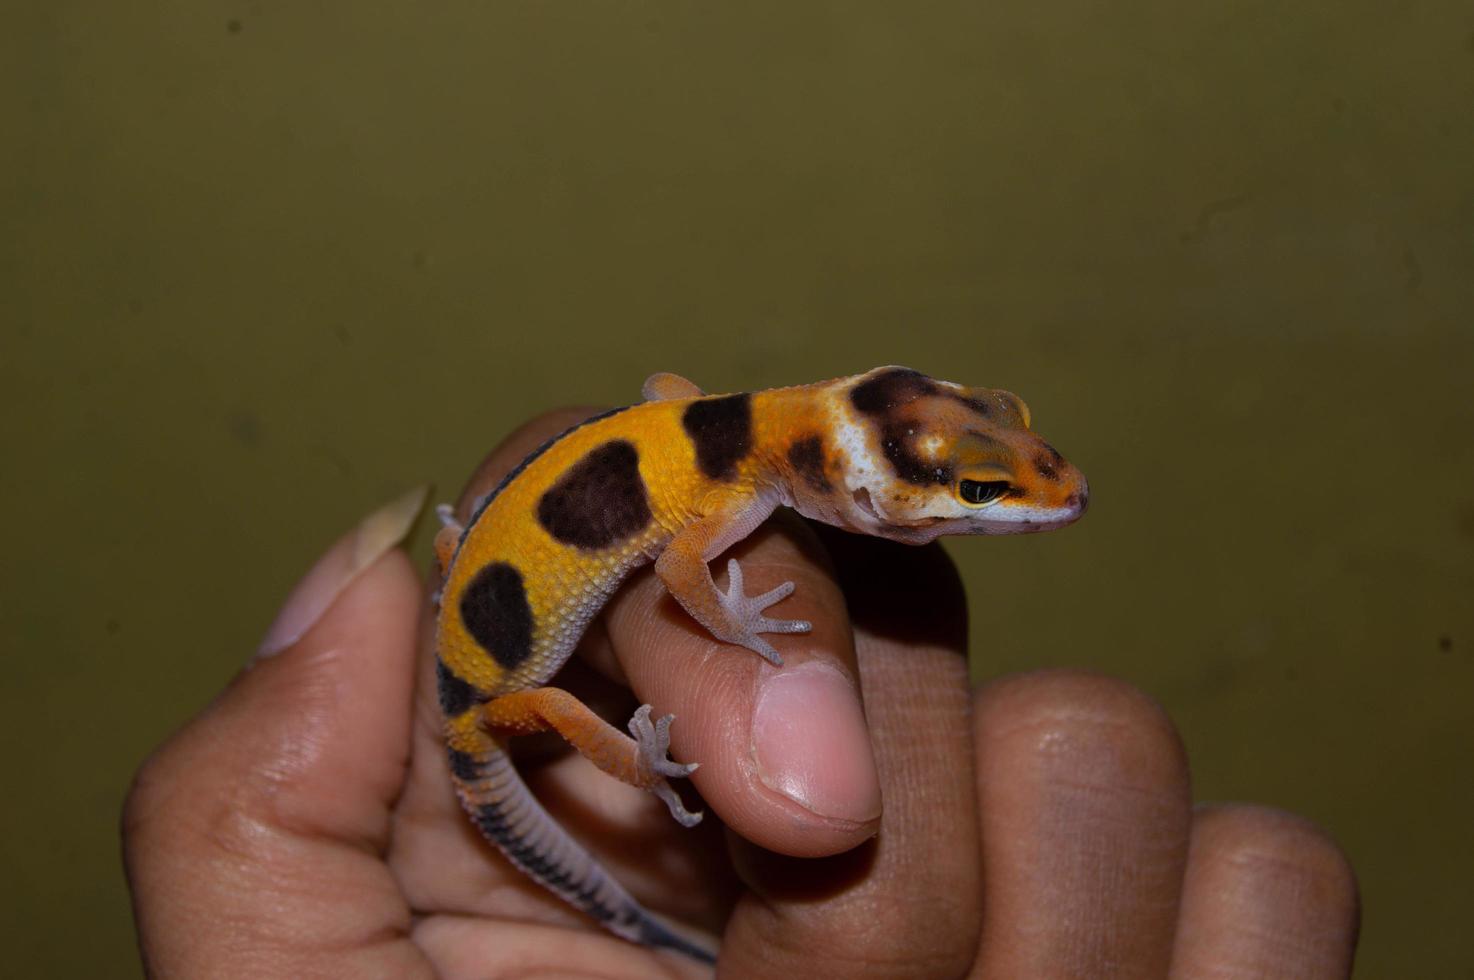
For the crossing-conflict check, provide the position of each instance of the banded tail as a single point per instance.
(508, 815)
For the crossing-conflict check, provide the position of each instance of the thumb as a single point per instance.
(233, 829)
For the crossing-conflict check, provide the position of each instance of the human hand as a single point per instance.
(303, 825)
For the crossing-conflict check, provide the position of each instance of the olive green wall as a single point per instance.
(263, 265)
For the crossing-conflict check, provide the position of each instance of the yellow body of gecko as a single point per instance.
(678, 479)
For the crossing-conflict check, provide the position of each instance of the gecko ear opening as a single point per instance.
(862, 501)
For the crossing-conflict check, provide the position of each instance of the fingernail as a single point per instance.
(358, 549)
(811, 743)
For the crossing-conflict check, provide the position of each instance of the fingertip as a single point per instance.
(375, 535)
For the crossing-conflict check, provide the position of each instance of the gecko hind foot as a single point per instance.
(652, 739)
(447, 539)
(747, 613)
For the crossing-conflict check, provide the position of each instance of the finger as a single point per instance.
(904, 904)
(784, 752)
(1083, 789)
(250, 837)
(1266, 895)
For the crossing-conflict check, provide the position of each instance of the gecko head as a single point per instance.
(923, 458)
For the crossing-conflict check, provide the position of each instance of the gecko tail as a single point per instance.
(652, 933)
(508, 815)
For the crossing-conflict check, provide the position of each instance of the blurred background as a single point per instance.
(266, 265)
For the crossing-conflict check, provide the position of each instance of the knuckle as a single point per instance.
(1273, 846)
(1083, 726)
(146, 802)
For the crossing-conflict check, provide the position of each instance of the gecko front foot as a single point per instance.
(746, 614)
(652, 740)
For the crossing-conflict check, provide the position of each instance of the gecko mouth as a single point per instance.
(1029, 520)
(1027, 525)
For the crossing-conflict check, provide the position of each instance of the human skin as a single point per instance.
(1042, 826)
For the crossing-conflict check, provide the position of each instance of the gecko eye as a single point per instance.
(979, 492)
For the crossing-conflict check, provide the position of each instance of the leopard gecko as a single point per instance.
(678, 479)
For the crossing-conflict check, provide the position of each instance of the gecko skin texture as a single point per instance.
(678, 479)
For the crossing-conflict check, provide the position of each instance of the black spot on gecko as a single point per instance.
(807, 458)
(464, 765)
(1048, 463)
(978, 405)
(886, 392)
(895, 445)
(485, 500)
(599, 501)
(495, 610)
(882, 398)
(721, 431)
(455, 694)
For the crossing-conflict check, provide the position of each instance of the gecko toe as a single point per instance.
(684, 817)
(675, 770)
(784, 626)
(764, 649)
(652, 742)
(747, 613)
(772, 596)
